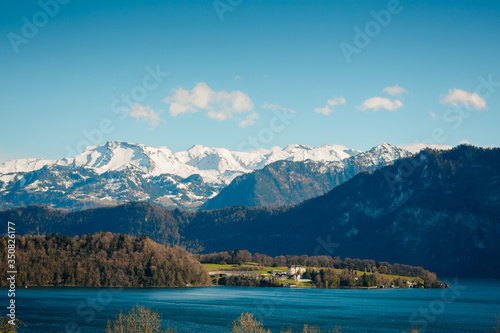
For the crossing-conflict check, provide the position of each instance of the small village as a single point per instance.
(295, 276)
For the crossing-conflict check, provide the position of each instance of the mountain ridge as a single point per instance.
(289, 183)
(436, 209)
(117, 172)
(167, 161)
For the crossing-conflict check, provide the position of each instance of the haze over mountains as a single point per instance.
(436, 209)
(118, 172)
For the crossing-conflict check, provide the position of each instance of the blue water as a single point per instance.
(469, 306)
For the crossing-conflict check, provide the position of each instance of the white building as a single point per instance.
(296, 270)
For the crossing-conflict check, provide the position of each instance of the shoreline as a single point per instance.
(20, 288)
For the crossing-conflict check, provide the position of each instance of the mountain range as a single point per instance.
(436, 209)
(289, 183)
(119, 172)
(439, 209)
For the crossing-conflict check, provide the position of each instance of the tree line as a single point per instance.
(330, 278)
(239, 257)
(101, 260)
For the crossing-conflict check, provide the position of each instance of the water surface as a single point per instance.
(469, 306)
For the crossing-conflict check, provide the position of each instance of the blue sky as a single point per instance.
(228, 79)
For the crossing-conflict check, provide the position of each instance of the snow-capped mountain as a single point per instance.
(380, 155)
(215, 165)
(119, 171)
(288, 183)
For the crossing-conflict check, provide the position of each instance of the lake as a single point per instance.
(468, 306)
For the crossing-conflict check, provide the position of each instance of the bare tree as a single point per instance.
(246, 323)
(138, 320)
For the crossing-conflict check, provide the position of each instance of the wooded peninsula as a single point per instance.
(118, 260)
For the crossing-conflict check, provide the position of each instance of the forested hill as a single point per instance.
(136, 218)
(439, 210)
(101, 260)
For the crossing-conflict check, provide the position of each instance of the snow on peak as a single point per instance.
(385, 147)
(24, 165)
(295, 147)
(384, 153)
(214, 165)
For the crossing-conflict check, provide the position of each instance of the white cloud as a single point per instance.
(249, 120)
(331, 105)
(267, 105)
(377, 103)
(396, 90)
(220, 105)
(238, 77)
(459, 96)
(144, 114)
(433, 115)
